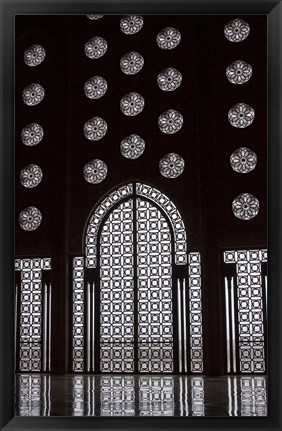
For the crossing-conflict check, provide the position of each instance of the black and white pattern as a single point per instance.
(243, 160)
(94, 17)
(96, 47)
(169, 79)
(31, 176)
(241, 115)
(33, 94)
(170, 121)
(168, 38)
(171, 165)
(95, 171)
(32, 134)
(245, 206)
(131, 63)
(95, 128)
(132, 147)
(131, 24)
(30, 218)
(95, 87)
(34, 55)
(239, 72)
(236, 30)
(132, 104)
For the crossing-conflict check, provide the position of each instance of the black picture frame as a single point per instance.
(8, 9)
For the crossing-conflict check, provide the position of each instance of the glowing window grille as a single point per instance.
(245, 307)
(33, 315)
(78, 314)
(136, 246)
(141, 190)
(154, 285)
(96, 219)
(116, 291)
(195, 312)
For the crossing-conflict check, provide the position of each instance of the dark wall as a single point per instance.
(203, 193)
(205, 141)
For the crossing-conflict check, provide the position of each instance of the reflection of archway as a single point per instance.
(139, 289)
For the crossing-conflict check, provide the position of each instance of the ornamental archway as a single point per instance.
(139, 290)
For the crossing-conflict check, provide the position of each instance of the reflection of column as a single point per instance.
(78, 396)
(117, 396)
(156, 395)
(253, 396)
(232, 396)
(197, 396)
(33, 395)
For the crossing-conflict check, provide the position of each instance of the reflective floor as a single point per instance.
(80, 395)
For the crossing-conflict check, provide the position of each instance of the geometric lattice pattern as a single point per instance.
(253, 396)
(135, 291)
(197, 396)
(156, 396)
(154, 274)
(97, 218)
(195, 313)
(141, 396)
(142, 190)
(251, 337)
(78, 314)
(33, 395)
(117, 396)
(31, 313)
(174, 216)
(78, 396)
(116, 291)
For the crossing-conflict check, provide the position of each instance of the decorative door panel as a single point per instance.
(137, 292)
(117, 291)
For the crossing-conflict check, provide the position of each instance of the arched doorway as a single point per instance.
(140, 291)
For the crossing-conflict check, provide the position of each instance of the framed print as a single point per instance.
(140, 220)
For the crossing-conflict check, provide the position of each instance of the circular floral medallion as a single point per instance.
(131, 63)
(95, 128)
(95, 47)
(131, 24)
(168, 38)
(241, 115)
(132, 146)
(32, 134)
(31, 176)
(236, 30)
(95, 17)
(30, 218)
(33, 94)
(169, 79)
(95, 87)
(34, 55)
(172, 165)
(245, 206)
(132, 104)
(239, 72)
(170, 121)
(243, 160)
(95, 171)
